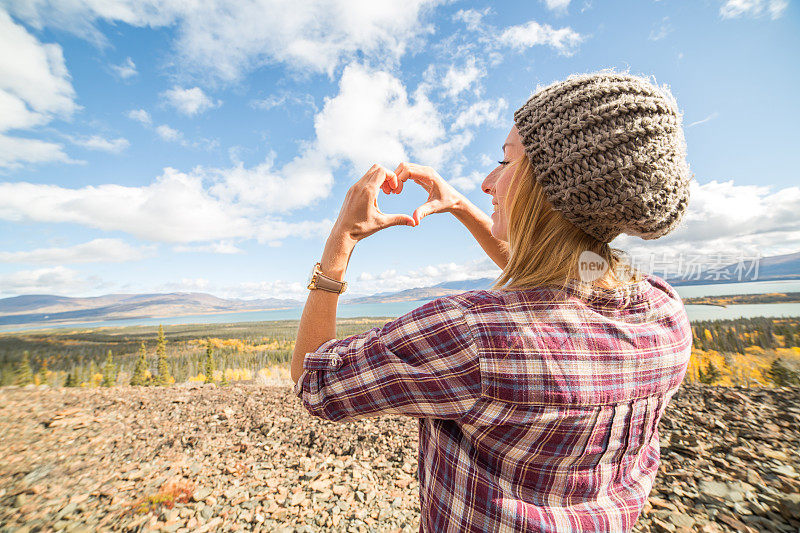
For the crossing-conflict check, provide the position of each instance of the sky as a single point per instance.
(162, 146)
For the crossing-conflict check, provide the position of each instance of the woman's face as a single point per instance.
(498, 181)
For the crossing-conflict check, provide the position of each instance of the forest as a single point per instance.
(744, 352)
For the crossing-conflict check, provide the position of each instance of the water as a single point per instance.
(695, 312)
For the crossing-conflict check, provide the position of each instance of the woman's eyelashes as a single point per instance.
(504, 163)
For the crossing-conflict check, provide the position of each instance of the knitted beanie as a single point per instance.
(609, 152)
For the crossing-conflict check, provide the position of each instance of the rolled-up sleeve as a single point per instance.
(423, 364)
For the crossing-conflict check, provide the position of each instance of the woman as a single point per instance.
(539, 400)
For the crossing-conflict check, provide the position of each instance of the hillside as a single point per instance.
(249, 457)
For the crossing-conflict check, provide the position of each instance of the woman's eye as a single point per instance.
(504, 162)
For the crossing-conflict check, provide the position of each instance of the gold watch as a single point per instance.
(318, 280)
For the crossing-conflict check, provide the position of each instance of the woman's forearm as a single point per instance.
(480, 225)
(318, 321)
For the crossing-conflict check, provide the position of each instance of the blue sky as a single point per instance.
(152, 147)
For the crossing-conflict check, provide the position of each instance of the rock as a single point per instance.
(790, 506)
(201, 494)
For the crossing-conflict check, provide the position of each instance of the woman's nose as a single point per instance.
(488, 183)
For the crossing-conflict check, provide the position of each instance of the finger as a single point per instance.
(424, 210)
(397, 220)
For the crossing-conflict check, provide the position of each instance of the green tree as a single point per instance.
(24, 374)
(109, 371)
(780, 375)
(711, 374)
(224, 381)
(162, 368)
(138, 378)
(209, 368)
(70, 381)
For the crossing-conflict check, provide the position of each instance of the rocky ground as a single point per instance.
(248, 457)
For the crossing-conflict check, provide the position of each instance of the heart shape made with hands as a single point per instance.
(441, 195)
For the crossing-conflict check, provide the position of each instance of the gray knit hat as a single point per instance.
(609, 152)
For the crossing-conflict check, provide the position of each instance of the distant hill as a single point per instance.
(44, 308)
(769, 268)
(37, 308)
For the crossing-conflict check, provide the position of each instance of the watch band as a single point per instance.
(321, 281)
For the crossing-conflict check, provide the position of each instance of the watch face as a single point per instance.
(311, 274)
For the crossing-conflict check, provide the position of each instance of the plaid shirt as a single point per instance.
(538, 409)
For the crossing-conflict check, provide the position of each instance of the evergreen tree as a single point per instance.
(138, 378)
(70, 382)
(224, 381)
(209, 368)
(163, 377)
(782, 376)
(711, 374)
(24, 373)
(109, 371)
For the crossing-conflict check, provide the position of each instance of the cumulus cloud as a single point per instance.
(141, 116)
(169, 134)
(227, 39)
(51, 280)
(727, 218)
(663, 29)
(482, 112)
(125, 70)
(532, 33)
(285, 99)
(373, 119)
(753, 8)
(458, 80)
(35, 88)
(221, 247)
(557, 5)
(94, 251)
(190, 102)
(206, 204)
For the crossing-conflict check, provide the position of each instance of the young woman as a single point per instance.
(539, 400)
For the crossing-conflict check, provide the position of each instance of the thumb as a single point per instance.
(422, 211)
(398, 220)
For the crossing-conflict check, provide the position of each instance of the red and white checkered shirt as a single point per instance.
(538, 409)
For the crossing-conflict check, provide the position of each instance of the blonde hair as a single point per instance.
(544, 246)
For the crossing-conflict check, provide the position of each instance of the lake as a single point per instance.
(695, 312)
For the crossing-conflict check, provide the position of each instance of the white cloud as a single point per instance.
(704, 120)
(226, 39)
(754, 8)
(457, 80)
(17, 150)
(221, 247)
(95, 251)
(488, 112)
(727, 218)
(372, 119)
(34, 89)
(177, 207)
(557, 5)
(391, 280)
(141, 116)
(283, 100)
(663, 29)
(126, 70)
(96, 142)
(52, 280)
(468, 182)
(472, 18)
(190, 102)
(565, 40)
(169, 134)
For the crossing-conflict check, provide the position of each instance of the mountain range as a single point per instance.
(43, 308)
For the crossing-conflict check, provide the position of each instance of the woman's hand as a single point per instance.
(360, 216)
(442, 197)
